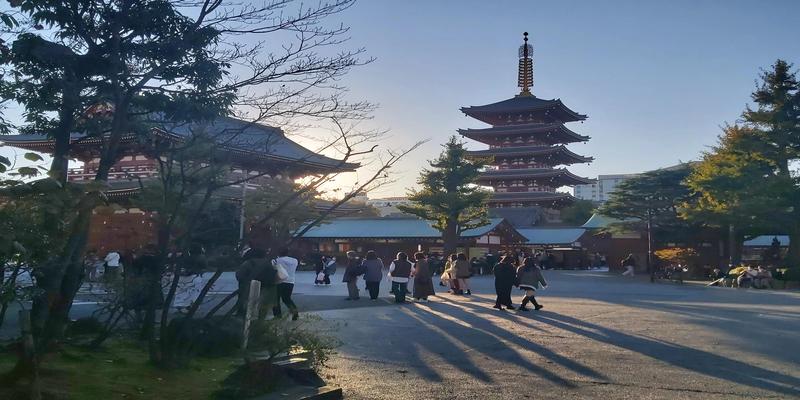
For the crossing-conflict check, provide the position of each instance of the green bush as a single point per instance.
(281, 336)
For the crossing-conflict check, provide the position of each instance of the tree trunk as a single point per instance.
(8, 283)
(735, 239)
(50, 315)
(64, 287)
(793, 255)
(450, 237)
(66, 122)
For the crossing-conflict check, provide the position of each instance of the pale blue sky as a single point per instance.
(656, 78)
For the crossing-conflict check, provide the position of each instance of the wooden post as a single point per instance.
(29, 352)
(251, 310)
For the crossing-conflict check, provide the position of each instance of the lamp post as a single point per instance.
(650, 238)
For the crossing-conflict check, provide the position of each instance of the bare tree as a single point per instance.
(193, 60)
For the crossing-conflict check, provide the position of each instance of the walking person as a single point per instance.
(504, 277)
(449, 274)
(320, 262)
(373, 273)
(529, 279)
(353, 269)
(423, 279)
(257, 267)
(329, 271)
(400, 270)
(112, 266)
(285, 268)
(462, 268)
(629, 263)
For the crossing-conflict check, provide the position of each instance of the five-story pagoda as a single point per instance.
(527, 143)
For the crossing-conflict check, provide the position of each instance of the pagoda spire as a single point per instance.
(525, 77)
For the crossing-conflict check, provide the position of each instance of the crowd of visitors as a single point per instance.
(418, 271)
(516, 269)
(743, 277)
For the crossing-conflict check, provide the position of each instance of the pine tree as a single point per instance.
(448, 195)
(747, 179)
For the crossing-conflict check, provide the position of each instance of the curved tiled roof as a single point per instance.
(529, 151)
(373, 228)
(533, 173)
(552, 236)
(530, 196)
(541, 130)
(237, 136)
(254, 138)
(523, 105)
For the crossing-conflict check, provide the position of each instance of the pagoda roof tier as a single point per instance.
(558, 176)
(556, 154)
(245, 144)
(552, 199)
(523, 109)
(549, 133)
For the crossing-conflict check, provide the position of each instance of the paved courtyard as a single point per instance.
(599, 336)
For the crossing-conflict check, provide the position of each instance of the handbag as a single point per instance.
(280, 271)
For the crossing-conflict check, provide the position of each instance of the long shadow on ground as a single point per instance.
(699, 361)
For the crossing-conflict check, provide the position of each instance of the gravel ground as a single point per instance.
(599, 336)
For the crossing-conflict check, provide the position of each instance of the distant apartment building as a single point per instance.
(388, 206)
(602, 188)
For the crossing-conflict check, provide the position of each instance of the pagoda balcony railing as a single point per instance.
(539, 189)
(81, 175)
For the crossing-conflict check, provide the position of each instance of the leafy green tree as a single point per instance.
(33, 222)
(578, 212)
(651, 203)
(747, 179)
(101, 68)
(448, 195)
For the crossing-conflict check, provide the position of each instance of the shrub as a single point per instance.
(677, 255)
(281, 336)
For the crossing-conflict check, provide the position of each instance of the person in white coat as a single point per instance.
(286, 267)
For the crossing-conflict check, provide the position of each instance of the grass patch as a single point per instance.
(121, 370)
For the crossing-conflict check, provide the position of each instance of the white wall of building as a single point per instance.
(602, 188)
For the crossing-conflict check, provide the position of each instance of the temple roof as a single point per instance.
(540, 198)
(552, 236)
(600, 221)
(561, 175)
(523, 109)
(390, 228)
(559, 152)
(549, 133)
(244, 140)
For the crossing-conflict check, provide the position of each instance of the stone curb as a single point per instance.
(304, 393)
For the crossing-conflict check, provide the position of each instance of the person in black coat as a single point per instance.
(505, 275)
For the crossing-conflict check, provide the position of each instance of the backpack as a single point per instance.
(264, 272)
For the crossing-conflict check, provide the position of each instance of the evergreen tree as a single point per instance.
(747, 179)
(578, 212)
(651, 203)
(448, 195)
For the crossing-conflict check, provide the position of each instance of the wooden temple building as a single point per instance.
(527, 145)
(249, 148)
(387, 236)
